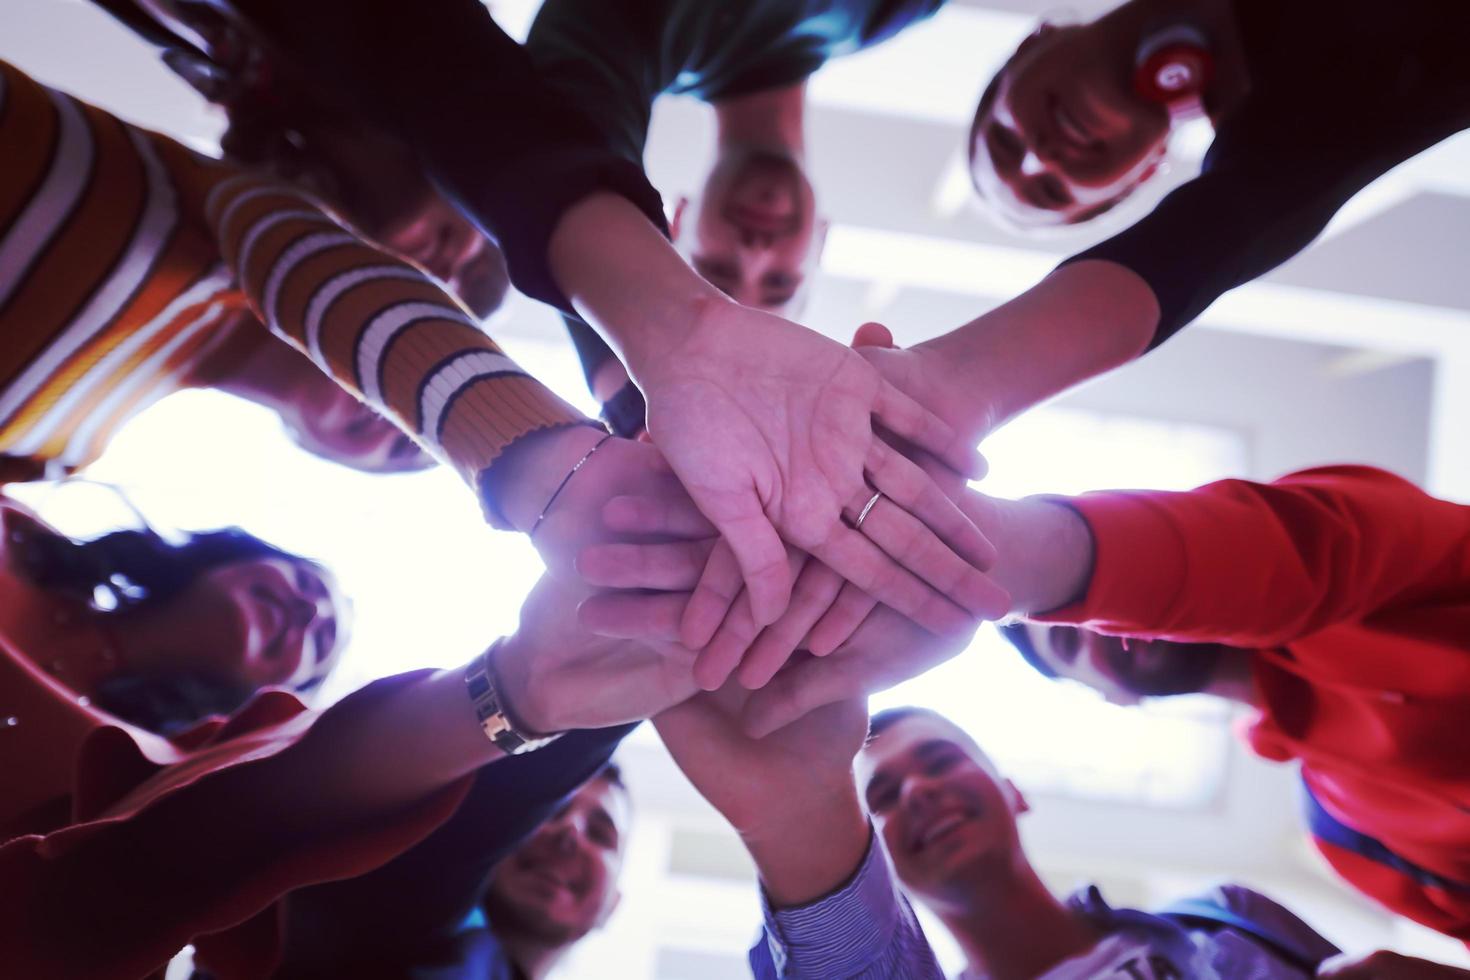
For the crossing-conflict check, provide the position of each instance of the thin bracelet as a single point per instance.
(564, 481)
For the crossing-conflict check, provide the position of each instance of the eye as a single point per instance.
(1053, 191)
(1065, 641)
(326, 639)
(940, 763)
(881, 799)
(1006, 147)
(306, 583)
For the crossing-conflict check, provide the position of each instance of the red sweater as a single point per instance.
(1354, 587)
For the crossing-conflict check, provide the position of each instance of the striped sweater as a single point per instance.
(123, 255)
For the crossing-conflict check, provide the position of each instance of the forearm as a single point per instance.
(809, 845)
(1044, 550)
(375, 757)
(1083, 319)
(625, 278)
(385, 331)
(444, 78)
(1257, 565)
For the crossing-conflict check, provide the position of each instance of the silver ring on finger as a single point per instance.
(867, 509)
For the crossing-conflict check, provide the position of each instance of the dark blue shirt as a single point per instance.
(613, 58)
(1341, 91)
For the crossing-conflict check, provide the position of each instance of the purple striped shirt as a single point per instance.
(866, 930)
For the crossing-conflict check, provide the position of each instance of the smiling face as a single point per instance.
(754, 233)
(1061, 136)
(947, 816)
(279, 621)
(248, 624)
(563, 882)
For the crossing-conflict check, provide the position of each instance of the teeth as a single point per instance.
(1070, 127)
(940, 829)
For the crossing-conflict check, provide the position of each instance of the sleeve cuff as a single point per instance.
(1138, 561)
(842, 934)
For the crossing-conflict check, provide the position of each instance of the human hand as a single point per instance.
(930, 379)
(791, 796)
(1384, 965)
(824, 610)
(758, 783)
(557, 676)
(531, 471)
(771, 429)
(886, 649)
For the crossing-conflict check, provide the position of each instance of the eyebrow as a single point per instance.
(924, 750)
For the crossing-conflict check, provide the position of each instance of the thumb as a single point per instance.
(873, 335)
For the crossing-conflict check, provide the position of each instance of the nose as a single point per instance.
(1036, 161)
(919, 792)
(753, 238)
(302, 612)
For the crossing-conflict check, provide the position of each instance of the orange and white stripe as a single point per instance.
(122, 253)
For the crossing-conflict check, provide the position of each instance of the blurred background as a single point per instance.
(1357, 351)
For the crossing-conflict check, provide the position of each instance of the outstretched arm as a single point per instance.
(281, 799)
(832, 906)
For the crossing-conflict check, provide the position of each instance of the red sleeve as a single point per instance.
(1259, 565)
(174, 847)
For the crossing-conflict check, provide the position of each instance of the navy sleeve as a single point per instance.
(409, 910)
(445, 78)
(1262, 199)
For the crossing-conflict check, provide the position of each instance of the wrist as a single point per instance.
(529, 471)
(517, 689)
(1045, 554)
(625, 277)
(801, 859)
(654, 347)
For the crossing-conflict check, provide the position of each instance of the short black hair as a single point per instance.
(888, 717)
(1020, 639)
(613, 773)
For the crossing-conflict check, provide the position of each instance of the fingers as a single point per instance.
(631, 616)
(906, 484)
(817, 586)
(801, 688)
(730, 645)
(762, 558)
(718, 660)
(907, 418)
(674, 566)
(914, 546)
(872, 334)
(858, 560)
(672, 516)
(841, 620)
(714, 594)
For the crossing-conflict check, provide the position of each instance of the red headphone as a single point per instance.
(1174, 66)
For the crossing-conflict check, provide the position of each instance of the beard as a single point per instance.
(1163, 668)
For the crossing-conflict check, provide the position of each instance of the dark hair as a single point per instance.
(123, 572)
(888, 717)
(613, 773)
(1021, 640)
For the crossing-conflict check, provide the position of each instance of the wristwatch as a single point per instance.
(495, 718)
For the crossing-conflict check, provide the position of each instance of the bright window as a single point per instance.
(1062, 737)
